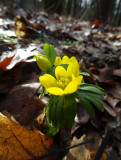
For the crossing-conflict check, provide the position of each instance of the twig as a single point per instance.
(103, 144)
(63, 150)
(36, 91)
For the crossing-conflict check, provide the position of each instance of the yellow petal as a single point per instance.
(47, 81)
(55, 91)
(65, 60)
(57, 61)
(60, 72)
(72, 59)
(43, 63)
(73, 85)
(73, 68)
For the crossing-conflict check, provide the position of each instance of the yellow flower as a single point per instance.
(66, 81)
(65, 60)
(43, 63)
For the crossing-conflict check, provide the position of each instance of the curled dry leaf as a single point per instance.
(113, 101)
(18, 143)
(105, 75)
(115, 90)
(109, 109)
(89, 79)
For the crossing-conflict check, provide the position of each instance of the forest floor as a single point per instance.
(97, 47)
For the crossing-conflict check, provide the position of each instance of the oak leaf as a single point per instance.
(18, 143)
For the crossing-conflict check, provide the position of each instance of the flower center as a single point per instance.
(63, 82)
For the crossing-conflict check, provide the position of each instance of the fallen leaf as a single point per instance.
(22, 55)
(22, 104)
(93, 154)
(18, 143)
(115, 90)
(117, 72)
(112, 153)
(96, 23)
(83, 152)
(6, 62)
(88, 79)
(24, 27)
(113, 101)
(74, 28)
(82, 116)
(105, 74)
(109, 109)
(79, 152)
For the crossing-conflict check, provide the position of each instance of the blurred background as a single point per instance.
(89, 10)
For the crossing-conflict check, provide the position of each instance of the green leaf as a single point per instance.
(51, 131)
(51, 110)
(61, 111)
(86, 104)
(70, 109)
(42, 92)
(63, 65)
(92, 94)
(50, 53)
(96, 102)
(92, 88)
(84, 73)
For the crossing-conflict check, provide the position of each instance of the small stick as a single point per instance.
(103, 144)
(63, 150)
(36, 91)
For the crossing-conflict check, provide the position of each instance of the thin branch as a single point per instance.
(103, 144)
(36, 91)
(63, 150)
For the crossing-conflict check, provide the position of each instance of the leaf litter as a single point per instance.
(96, 45)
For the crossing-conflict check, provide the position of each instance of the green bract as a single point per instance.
(45, 63)
(50, 53)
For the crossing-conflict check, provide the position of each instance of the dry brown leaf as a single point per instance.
(89, 79)
(115, 90)
(96, 23)
(21, 104)
(18, 56)
(18, 143)
(113, 101)
(117, 72)
(93, 154)
(109, 109)
(6, 62)
(23, 27)
(83, 152)
(105, 74)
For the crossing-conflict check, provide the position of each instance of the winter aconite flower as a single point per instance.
(65, 81)
(65, 60)
(43, 63)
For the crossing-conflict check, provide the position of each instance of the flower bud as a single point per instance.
(43, 63)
